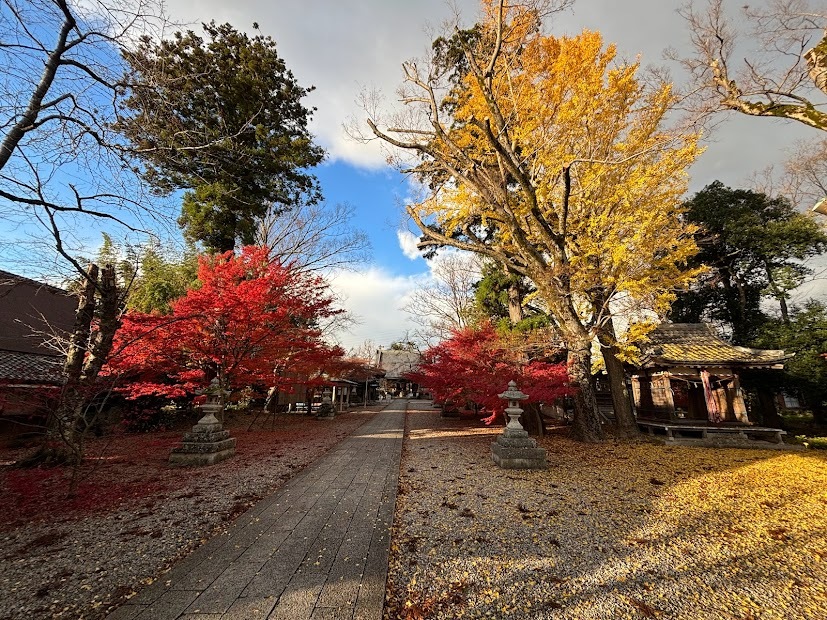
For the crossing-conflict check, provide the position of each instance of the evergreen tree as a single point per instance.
(222, 118)
(754, 246)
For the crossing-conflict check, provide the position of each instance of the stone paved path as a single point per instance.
(316, 549)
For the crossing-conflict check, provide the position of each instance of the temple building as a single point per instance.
(690, 374)
(396, 365)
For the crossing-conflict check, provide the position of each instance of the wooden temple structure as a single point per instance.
(689, 377)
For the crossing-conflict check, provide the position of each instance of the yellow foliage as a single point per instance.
(621, 530)
(554, 107)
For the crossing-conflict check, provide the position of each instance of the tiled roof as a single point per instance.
(30, 368)
(697, 344)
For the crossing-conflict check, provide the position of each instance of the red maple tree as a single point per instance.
(474, 366)
(251, 322)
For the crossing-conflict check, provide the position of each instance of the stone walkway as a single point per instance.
(317, 548)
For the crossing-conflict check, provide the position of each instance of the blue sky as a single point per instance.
(343, 48)
(376, 196)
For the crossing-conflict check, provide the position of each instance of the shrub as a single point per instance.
(815, 443)
(147, 417)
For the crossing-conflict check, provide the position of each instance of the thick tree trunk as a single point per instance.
(586, 425)
(531, 419)
(626, 424)
(624, 416)
(60, 443)
(85, 357)
(79, 339)
(108, 322)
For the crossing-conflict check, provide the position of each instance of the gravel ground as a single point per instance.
(80, 567)
(609, 531)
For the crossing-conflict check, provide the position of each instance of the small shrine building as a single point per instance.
(690, 374)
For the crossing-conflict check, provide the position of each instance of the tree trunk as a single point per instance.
(60, 443)
(820, 415)
(586, 425)
(86, 355)
(769, 412)
(515, 304)
(624, 416)
(109, 311)
(531, 420)
(271, 402)
(626, 424)
(778, 294)
(79, 339)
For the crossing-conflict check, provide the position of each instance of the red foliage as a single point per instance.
(132, 472)
(250, 322)
(474, 366)
(34, 494)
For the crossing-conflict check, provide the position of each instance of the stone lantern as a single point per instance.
(514, 449)
(326, 411)
(208, 443)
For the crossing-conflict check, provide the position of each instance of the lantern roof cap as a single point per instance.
(512, 393)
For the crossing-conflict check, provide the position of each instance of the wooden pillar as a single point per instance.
(739, 407)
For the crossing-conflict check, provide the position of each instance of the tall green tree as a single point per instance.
(221, 117)
(755, 246)
(501, 297)
(805, 334)
(161, 279)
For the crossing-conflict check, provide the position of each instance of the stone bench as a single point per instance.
(691, 431)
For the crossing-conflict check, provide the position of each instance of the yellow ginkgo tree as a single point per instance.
(549, 156)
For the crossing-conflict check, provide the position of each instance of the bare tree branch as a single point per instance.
(784, 70)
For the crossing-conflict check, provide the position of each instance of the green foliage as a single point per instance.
(491, 297)
(806, 336)
(121, 257)
(814, 443)
(151, 277)
(221, 117)
(753, 245)
(532, 323)
(162, 279)
(491, 293)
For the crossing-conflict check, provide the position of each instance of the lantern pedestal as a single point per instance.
(208, 443)
(326, 411)
(514, 449)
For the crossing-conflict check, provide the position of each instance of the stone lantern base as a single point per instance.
(326, 410)
(207, 444)
(516, 450)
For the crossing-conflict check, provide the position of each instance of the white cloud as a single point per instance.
(345, 48)
(375, 299)
(407, 242)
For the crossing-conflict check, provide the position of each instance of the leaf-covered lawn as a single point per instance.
(135, 514)
(608, 531)
(125, 470)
